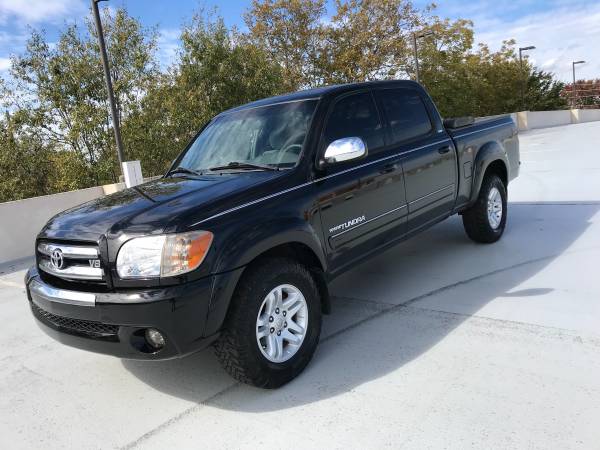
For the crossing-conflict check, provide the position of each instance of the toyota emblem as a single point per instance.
(57, 259)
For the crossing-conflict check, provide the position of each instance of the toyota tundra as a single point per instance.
(236, 244)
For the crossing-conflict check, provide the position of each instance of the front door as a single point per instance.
(362, 203)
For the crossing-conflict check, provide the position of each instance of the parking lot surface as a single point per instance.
(437, 343)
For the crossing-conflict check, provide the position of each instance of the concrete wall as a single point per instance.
(530, 120)
(584, 115)
(543, 119)
(21, 220)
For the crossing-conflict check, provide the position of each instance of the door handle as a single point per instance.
(443, 150)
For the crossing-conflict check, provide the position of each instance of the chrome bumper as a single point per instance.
(61, 295)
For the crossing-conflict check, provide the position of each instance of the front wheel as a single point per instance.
(486, 219)
(273, 326)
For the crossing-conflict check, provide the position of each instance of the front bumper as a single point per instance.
(114, 323)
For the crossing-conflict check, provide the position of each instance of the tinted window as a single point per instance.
(355, 115)
(406, 114)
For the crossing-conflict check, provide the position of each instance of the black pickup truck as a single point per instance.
(236, 244)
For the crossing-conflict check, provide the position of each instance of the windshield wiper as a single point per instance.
(181, 169)
(243, 166)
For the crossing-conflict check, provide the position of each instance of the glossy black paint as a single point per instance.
(380, 199)
(179, 312)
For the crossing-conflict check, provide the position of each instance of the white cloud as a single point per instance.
(4, 64)
(10, 44)
(561, 34)
(168, 45)
(36, 11)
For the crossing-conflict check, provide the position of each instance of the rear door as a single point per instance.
(362, 202)
(428, 154)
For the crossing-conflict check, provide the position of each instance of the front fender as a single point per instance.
(262, 236)
(240, 250)
(487, 154)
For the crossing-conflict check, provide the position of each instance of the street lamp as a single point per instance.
(523, 80)
(109, 86)
(575, 63)
(416, 36)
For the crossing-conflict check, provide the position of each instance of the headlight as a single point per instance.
(164, 255)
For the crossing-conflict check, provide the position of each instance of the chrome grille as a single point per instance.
(70, 262)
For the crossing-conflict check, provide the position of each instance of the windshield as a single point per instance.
(270, 136)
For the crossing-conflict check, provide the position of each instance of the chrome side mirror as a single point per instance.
(344, 149)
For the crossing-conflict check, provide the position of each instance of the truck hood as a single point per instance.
(151, 207)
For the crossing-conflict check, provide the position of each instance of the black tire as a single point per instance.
(237, 348)
(475, 219)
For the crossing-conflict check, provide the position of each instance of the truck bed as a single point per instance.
(498, 134)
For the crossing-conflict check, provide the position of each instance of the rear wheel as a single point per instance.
(273, 326)
(486, 219)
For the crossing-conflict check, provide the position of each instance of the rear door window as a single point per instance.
(406, 114)
(355, 115)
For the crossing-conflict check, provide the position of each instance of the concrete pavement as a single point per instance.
(438, 343)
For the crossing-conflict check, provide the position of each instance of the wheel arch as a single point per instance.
(491, 158)
(306, 256)
(302, 246)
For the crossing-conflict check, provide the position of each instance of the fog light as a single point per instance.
(155, 338)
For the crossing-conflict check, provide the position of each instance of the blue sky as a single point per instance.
(562, 30)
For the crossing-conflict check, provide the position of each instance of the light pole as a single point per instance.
(416, 36)
(109, 86)
(574, 64)
(523, 80)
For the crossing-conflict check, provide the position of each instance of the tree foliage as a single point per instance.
(217, 69)
(368, 40)
(290, 31)
(476, 83)
(56, 132)
(60, 90)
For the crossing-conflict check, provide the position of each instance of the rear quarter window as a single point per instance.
(406, 114)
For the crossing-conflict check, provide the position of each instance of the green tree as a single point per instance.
(363, 40)
(217, 69)
(290, 31)
(444, 64)
(23, 162)
(368, 40)
(543, 92)
(61, 89)
(482, 82)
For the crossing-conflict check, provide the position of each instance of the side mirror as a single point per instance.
(345, 149)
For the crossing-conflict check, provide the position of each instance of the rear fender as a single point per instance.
(487, 154)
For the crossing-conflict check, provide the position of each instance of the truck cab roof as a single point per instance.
(320, 92)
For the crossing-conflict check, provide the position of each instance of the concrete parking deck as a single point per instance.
(438, 343)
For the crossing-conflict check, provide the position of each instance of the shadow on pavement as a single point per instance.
(528, 292)
(377, 327)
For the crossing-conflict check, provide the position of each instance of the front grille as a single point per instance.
(80, 327)
(73, 264)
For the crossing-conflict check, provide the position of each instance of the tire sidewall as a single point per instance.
(495, 182)
(255, 297)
